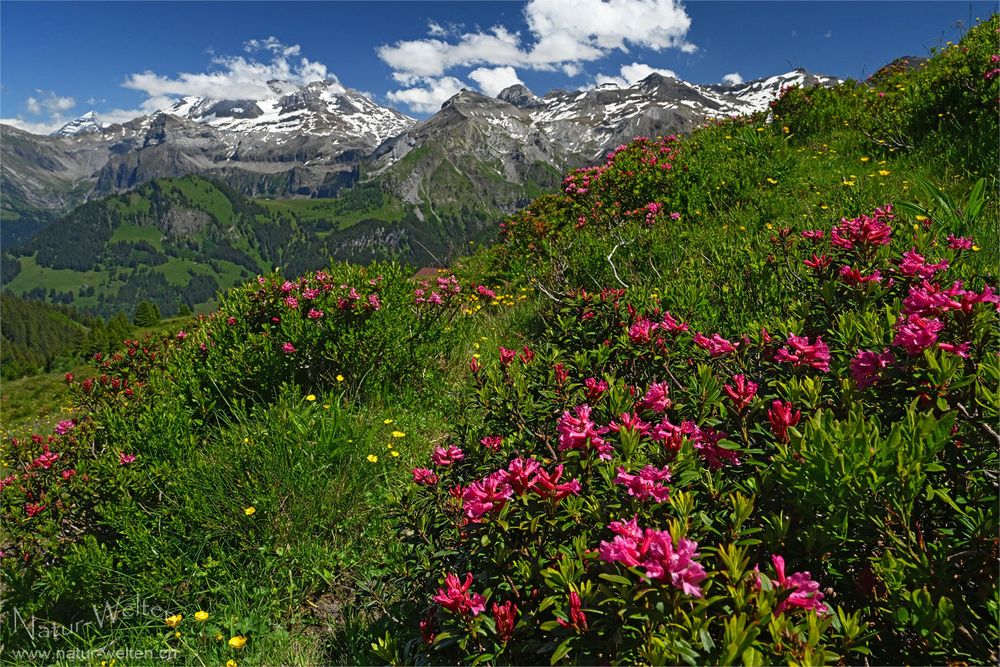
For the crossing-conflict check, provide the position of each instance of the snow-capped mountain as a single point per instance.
(88, 122)
(515, 134)
(312, 140)
(321, 108)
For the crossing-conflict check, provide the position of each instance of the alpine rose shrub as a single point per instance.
(640, 517)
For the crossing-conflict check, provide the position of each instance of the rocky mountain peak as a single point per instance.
(88, 122)
(520, 96)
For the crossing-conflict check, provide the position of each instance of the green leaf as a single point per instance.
(615, 579)
(562, 650)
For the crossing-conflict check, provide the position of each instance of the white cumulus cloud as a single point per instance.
(427, 94)
(733, 79)
(492, 80)
(33, 127)
(235, 77)
(562, 36)
(629, 74)
(47, 101)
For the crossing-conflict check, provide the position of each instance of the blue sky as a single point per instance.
(121, 59)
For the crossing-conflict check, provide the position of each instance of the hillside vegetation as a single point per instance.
(728, 398)
(177, 242)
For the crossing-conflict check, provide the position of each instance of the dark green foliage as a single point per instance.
(146, 314)
(36, 335)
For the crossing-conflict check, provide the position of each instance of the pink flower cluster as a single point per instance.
(741, 392)
(915, 334)
(865, 230)
(522, 476)
(455, 596)
(716, 345)
(424, 477)
(657, 398)
(65, 426)
(648, 484)
(927, 299)
(655, 552)
(782, 418)
(492, 442)
(867, 366)
(487, 495)
(853, 276)
(445, 288)
(800, 352)
(805, 592)
(445, 456)
(705, 441)
(595, 388)
(580, 432)
(915, 264)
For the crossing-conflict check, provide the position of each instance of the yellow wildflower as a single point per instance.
(239, 641)
(231, 663)
(884, 172)
(394, 453)
(865, 159)
(340, 378)
(250, 510)
(372, 458)
(771, 181)
(311, 397)
(201, 616)
(386, 421)
(174, 621)
(398, 434)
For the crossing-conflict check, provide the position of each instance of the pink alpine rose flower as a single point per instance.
(630, 421)
(655, 552)
(522, 474)
(672, 325)
(487, 495)
(455, 597)
(959, 242)
(548, 485)
(445, 456)
(505, 618)
(65, 426)
(647, 485)
(867, 366)
(864, 230)
(492, 442)
(782, 418)
(506, 356)
(657, 398)
(800, 352)
(743, 393)
(915, 334)
(716, 345)
(577, 619)
(579, 431)
(915, 264)
(424, 477)
(805, 592)
(641, 331)
(852, 276)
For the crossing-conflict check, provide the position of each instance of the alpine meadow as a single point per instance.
(724, 396)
